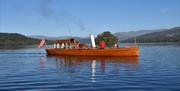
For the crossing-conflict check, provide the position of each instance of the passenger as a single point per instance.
(116, 45)
(77, 46)
(62, 45)
(102, 44)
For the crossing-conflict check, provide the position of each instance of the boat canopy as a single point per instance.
(66, 43)
(69, 41)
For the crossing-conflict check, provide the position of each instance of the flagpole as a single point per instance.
(135, 42)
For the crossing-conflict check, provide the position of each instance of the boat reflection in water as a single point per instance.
(95, 65)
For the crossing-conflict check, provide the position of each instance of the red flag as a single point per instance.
(41, 43)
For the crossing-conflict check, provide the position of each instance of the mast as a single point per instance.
(70, 37)
(135, 41)
(70, 32)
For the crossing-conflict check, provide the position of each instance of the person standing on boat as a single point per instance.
(102, 44)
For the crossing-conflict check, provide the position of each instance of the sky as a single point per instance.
(82, 17)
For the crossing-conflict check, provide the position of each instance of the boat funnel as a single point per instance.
(93, 41)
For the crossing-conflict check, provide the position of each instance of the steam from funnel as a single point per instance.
(61, 16)
(81, 25)
(46, 9)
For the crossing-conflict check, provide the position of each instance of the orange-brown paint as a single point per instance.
(110, 52)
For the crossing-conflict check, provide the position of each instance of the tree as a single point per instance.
(108, 38)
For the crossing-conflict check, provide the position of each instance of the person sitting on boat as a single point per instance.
(116, 45)
(77, 46)
(102, 44)
(62, 45)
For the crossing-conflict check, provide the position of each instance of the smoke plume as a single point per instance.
(59, 16)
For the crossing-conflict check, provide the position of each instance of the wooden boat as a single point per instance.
(68, 48)
(111, 52)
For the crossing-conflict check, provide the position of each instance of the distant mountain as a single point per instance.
(170, 35)
(47, 37)
(126, 35)
(81, 39)
(18, 39)
(123, 36)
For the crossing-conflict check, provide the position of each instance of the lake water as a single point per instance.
(29, 69)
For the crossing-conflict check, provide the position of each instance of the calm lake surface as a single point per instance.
(29, 69)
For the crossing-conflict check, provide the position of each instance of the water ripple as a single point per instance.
(156, 69)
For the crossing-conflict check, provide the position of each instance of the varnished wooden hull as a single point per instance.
(112, 52)
(79, 59)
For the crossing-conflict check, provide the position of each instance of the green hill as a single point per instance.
(81, 39)
(170, 35)
(18, 39)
